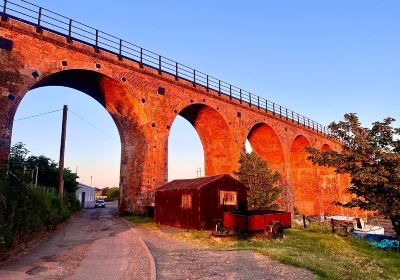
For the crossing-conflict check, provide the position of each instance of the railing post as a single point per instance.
(280, 111)
(208, 83)
(120, 50)
(250, 99)
(308, 121)
(96, 48)
(194, 77)
(298, 119)
(176, 71)
(159, 65)
(69, 38)
(38, 27)
(4, 14)
(141, 58)
(258, 102)
(230, 91)
(240, 95)
(293, 116)
(287, 115)
(219, 87)
(273, 108)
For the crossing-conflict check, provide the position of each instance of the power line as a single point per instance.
(76, 115)
(93, 126)
(38, 115)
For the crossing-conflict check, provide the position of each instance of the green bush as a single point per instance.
(25, 210)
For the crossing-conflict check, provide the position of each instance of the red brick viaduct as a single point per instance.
(144, 102)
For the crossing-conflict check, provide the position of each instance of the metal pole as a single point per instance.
(97, 41)
(159, 64)
(141, 57)
(69, 39)
(62, 152)
(37, 174)
(38, 28)
(120, 50)
(176, 71)
(4, 15)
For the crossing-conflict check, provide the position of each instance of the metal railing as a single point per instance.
(72, 30)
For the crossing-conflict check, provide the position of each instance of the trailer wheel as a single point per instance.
(277, 231)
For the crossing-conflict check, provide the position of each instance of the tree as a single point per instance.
(260, 180)
(104, 191)
(113, 193)
(371, 156)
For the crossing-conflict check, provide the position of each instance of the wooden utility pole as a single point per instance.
(62, 151)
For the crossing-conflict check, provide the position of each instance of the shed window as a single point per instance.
(227, 198)
(186, 201)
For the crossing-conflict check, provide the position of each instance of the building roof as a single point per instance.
(85, 186)
(193, 184)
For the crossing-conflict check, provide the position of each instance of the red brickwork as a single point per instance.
(144, 116)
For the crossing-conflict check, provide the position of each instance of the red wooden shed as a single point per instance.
(197, 203)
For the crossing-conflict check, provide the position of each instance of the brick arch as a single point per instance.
(128, 115)
(303, 177)
(216, 138)
(266, 144)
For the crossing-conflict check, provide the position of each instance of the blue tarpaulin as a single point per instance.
(379, 241)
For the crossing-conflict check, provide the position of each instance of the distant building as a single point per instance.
(86, 195)
(198, 203)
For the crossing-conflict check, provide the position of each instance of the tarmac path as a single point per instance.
(94, 244)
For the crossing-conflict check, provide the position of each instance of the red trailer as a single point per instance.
(253, 221)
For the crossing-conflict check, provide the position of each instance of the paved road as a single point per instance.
(94, 244)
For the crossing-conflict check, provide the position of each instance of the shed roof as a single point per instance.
(193, 184)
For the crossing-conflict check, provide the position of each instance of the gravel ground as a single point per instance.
(179, 260)
(95, 244)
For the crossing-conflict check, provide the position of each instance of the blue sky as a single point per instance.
(319, 58)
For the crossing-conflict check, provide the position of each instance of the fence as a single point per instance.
(72, 30)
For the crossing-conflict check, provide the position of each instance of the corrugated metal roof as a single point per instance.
(190, 184)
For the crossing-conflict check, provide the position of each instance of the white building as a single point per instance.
(86, 195)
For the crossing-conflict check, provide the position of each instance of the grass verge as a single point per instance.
(327, 255)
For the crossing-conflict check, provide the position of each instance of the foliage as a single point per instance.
(25, 168)
(48, 173)
(111, 193)
(371, 156)
(24, 208)
(261, 182)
